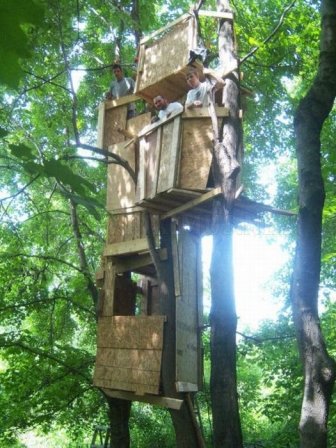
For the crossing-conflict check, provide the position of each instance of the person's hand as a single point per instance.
(108, 95)
(197, 103)
(155, 119)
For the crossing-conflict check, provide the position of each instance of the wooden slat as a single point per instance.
(166, 27)
(121, 101)
(187, 347)
(171, 403)
(109, 290)
(100, 127)
(193, 203)
(126, 247)
(216, 14)
(198, 112)
(186, 387)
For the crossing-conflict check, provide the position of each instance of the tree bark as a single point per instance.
(223, 318)
(319, 367)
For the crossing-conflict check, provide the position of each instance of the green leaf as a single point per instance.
(14, 43)
(22, 152)
(3, 132)
(55, 168)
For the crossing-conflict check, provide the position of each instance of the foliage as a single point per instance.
(55, 68)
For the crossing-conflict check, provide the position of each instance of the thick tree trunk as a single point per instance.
(223, 318)
(319, 368)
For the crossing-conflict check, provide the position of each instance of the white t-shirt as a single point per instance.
(198, 94)
(172, 107)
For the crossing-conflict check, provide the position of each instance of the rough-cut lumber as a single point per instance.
(187, 325)
(120, 101)
(126, 247)
(216, 14)
(186, 387)
(193, 203)
(197, 112)
(166, 27)
(171, 403)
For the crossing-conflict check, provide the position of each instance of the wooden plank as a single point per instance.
(198, 112)
(186, 387)
(216, 14)
(126, 247)
(167, 402)
(166, 27)
(130, 332)
(152, 184)
(193, 203)
(114, 119)
(140, 192)
(123, 227)
(120, 186)
(187, 347)
(111, 104)
(176, 264)
(196, 153)
(109, 290)
(170, 150)
(100, 126)
(152, 127)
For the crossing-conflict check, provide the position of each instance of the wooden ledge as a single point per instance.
(111, 104)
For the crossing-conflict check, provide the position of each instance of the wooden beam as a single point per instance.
(193, 203)
(171, 403)
(121, 101)
(151, 127)
(125, 264)
(216, 14)
(164, 28)
(182, 386)
(126, 247)
(197, 112)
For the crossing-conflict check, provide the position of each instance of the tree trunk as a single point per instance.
(319, 368)
(223, 318)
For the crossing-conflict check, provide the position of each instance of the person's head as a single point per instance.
(160, 102)
(192, 78)
(117, 71)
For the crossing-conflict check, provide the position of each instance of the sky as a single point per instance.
(257, 256)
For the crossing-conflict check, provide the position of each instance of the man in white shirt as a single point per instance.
(165, 108)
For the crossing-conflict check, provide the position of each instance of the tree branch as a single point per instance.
(256, 48)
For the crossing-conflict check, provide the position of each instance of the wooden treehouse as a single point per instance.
(171, 160)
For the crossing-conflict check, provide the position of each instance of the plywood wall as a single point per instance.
(129, 351)
(159, 70)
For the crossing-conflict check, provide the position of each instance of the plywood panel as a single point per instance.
(125, 227)
(129, 351)
(131, 332)
(114, 118)
(169, 155)
(160, 61)
(196, 153)
(120, 186)
(187, 331)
